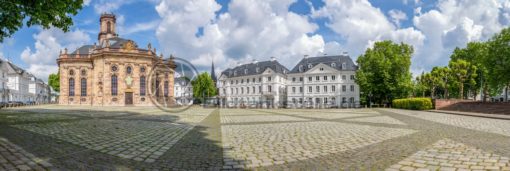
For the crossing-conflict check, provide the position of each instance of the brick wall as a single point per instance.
(444, 103)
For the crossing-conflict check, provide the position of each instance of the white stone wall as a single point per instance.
(327, 88)
(240, 90)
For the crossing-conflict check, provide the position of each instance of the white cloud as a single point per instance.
(466, 31)
(42, 60)
(361, 25)
(249, 30)
(397, 16)
(108, 6)
(454, 23)
(86, 2)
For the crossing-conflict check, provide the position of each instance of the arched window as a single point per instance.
(114, 85)
(128, 70)
(83, 87)
(142, 86)
(165, 91)
(108, 27)
(71, 86)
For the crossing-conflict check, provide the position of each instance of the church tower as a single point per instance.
(213, 73)
(106, 27)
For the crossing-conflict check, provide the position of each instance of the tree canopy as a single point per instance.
(463, 72)
(46, 13)
(54, 81)
(499, 60)
(203, 86)
(384, 72)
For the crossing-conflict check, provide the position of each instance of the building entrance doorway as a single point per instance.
(128, 98)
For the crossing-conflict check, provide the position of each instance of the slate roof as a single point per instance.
(83, 50)
(115, 42)
(183, 81)
(327, 60)
(252, 69)
(16, 68)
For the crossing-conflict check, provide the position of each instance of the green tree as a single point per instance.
(421, 85)
(499, 61)
(384, 72)
(47, 13)
(54, 81)
(463, 73)
(203, 86)
(475, 53)
(441, 78)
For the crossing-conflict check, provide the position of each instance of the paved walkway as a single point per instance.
(75, 138)
(483, 115)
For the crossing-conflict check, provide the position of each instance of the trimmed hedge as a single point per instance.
(413, 103)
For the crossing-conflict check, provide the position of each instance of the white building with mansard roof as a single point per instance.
(256, 84)
(324, 81)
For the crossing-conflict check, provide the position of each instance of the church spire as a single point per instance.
(213, 74)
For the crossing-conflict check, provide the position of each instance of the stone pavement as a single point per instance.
(13, 157)
(142, 138)
(447, 154)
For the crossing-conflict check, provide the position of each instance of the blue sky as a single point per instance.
(232, 31)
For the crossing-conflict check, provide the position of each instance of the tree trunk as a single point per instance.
(485, 92)
(506, 93)
(461, 91)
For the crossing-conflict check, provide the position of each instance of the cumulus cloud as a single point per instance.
(362, 24)
(454, 23)
(249, 30)
(463, 32)
(42, 60)
(108, 6)
(397, 16)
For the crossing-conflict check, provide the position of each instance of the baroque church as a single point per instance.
(115, 72)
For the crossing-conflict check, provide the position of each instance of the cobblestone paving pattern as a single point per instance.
(13, 157)
(116, 138)
(447, 154)
(137, 140)
(247, 146)
(476, 123)
(377, 119)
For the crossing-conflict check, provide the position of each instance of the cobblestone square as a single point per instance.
(54, 137)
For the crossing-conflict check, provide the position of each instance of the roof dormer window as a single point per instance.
(333, 64)
(257, 69)
(343, 66)
(309, 66)
(245, 71)
(300, 68)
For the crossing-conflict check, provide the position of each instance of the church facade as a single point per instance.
(115, 72)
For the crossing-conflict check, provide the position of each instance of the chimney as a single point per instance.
(238, 63)
(345, 53)
(273, 58)
(254, 61)
(305, 56)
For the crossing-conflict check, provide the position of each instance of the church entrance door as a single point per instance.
(129, 98)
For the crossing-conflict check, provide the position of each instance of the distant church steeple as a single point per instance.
(106, 27)
(213, 74)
